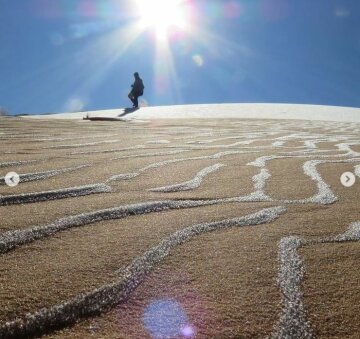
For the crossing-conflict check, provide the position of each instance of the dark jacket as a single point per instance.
(138, 87)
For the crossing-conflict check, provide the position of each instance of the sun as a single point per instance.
(162, 15)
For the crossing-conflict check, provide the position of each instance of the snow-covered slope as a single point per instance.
(257, 111)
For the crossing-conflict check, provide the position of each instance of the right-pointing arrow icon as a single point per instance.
(347, 179)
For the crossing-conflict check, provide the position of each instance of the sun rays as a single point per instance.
(170, 32)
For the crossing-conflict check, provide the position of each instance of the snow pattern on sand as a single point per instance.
(313, 146)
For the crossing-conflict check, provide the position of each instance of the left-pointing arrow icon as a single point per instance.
(12, 179)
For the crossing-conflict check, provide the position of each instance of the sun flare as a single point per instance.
(162, 15)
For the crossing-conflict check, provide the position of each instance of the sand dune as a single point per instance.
(236, 227)
(243, 111)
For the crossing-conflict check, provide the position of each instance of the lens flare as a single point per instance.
(166, 319)
(188, 331)
(342, 12)
(198, 60)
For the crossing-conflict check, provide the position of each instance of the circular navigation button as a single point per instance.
(347, 179)
(12, 179)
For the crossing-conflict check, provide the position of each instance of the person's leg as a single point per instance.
(131, 97)
(135, 101)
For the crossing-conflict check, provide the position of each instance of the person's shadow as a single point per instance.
(128, 111)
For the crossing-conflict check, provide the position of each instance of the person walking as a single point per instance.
(137, 90)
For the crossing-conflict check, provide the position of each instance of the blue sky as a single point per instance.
(65, 55)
